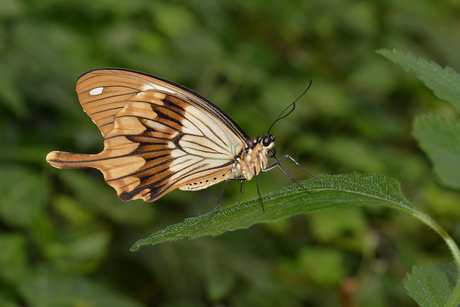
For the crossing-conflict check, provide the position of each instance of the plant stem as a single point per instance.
(455, 297)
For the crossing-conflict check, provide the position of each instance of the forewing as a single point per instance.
(103, 93)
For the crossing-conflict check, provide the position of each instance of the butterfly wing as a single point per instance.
(158, 135)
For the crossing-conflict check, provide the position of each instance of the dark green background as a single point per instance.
(65, 235)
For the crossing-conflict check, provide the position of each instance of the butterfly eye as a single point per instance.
(268, 139)
(272, 152)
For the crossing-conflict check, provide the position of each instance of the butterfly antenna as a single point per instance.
(292, 106)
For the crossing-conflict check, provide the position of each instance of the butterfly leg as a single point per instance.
(218, 204)
(277, 164)
(258, 190)
(241, 192)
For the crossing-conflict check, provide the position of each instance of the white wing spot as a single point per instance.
(158, 87)
(147, 87)
(96, 91)
(165, 89)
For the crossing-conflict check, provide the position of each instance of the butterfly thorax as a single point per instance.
(254, 158)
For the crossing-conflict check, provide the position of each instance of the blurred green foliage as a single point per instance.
(65, 235)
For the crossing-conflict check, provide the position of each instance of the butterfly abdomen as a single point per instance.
(205, 182)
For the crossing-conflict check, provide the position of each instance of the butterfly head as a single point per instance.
(255, 157)
(268, 144)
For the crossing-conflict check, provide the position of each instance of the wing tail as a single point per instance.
(62, 159)
(119, 172)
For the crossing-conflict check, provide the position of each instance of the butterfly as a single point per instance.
(160, 136)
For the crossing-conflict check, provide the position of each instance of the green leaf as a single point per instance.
(323, 266)
(330, 226)
(445, 83)
(13, 258)
(96, 195)
(432, 286)
(10, 97)
(23, 194)
(440, 139)
(79, 255)
(337, 192)
(45, 288)
(4, 302)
